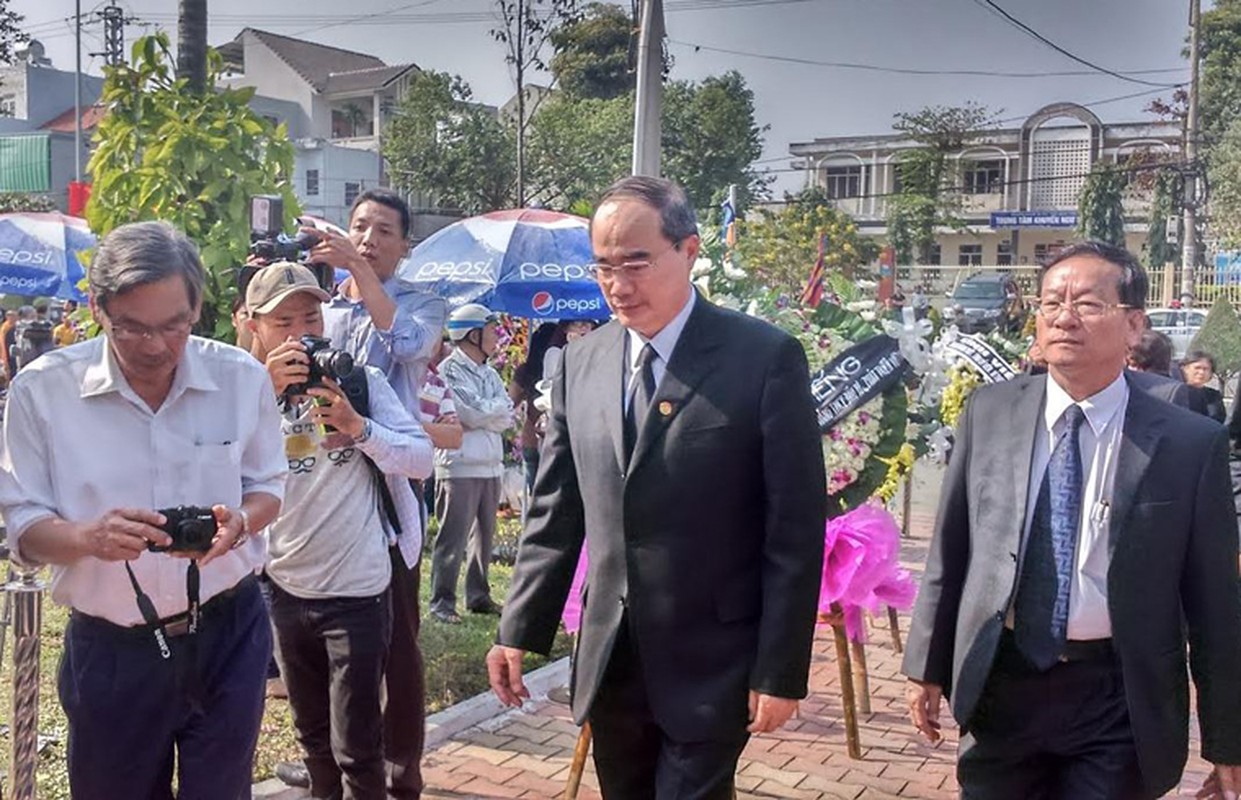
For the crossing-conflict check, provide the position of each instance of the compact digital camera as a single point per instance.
(191, 527)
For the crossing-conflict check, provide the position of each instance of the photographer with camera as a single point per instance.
(386, 323)
(352, 449)
(145, 438)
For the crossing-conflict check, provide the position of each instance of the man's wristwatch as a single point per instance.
(366, 431)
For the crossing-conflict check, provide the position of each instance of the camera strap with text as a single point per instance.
(187, 666)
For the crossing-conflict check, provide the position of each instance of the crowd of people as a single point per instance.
(224, 506)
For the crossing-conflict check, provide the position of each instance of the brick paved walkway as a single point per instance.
(527, 753)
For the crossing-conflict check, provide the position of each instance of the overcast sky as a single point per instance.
(800, 101)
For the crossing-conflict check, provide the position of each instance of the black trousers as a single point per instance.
(131, 721)
(1063, 734)
(635, 759)
(405, 700)
(332, 653)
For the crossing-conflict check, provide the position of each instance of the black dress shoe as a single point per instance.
(293, 773)
(488, 607)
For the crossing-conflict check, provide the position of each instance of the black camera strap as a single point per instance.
(187, 666)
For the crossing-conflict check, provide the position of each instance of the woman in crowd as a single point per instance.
(1198, 368)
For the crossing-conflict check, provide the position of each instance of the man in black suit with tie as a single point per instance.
(1085, 532)
(682, 447)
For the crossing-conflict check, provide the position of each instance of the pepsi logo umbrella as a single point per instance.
(525, 262)
(39, 254)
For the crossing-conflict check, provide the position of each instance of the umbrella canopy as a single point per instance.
(525, 262)
(39, 254)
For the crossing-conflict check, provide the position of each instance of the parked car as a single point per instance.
(987, 302)
(1180, 325)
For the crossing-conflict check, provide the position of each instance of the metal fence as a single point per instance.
(939, 281)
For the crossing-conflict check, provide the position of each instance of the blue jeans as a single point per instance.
(130, 716)
(333, 653)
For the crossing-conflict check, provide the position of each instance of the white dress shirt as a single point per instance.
(1099, 440)
(78, 442)
(663, 343)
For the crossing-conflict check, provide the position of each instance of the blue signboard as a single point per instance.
(1228, 267)
(1034, 219)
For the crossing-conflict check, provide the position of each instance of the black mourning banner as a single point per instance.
(981, 356)
(854, 377)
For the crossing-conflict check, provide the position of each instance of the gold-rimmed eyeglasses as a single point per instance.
(133, 332)
(636, 269)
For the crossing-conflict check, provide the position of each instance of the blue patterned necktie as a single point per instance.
(1042, 611)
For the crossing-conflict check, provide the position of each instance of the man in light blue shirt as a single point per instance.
(394, 327)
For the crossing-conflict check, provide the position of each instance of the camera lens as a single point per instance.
(336, 363)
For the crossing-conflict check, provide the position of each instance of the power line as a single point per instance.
(1040, 37)
(905, 70)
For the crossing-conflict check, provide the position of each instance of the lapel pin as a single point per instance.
(665, 409)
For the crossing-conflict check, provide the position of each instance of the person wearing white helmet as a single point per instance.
(468, 478)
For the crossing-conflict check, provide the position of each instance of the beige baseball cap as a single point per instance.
(274, 282)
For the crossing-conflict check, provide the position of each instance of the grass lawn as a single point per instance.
(454, 666)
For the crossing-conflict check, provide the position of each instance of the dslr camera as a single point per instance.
(267, 238)
(325, 362)
(191, 527)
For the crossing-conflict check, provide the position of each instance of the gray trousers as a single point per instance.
(466, 508)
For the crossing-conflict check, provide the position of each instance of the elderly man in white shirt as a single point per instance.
(165, 652)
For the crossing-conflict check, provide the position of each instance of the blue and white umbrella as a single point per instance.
(525, 262)
(39, 254)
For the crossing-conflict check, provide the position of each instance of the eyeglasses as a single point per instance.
(129, 332)
(1082, 309)
(636, 270)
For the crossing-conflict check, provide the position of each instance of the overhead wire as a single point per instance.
(991, 4)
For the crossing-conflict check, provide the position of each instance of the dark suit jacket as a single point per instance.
(1173, 571)
(1167, 389)
(711, 537)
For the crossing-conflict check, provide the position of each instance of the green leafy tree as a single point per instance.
(1221, 337)
(711, 139)
(525, 29)
(1157, 250)
(593, 53)
(779, 248)
(929, 194)
(1219, 94)
(578, 146)
(1224, 174)
(442, 143)
(1100, 206)
(192, 159)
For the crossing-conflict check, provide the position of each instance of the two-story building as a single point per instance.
(1018, 187)
(336, 103)
(37, 126)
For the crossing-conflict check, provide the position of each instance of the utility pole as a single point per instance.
(77, 91)
(521, 103)
(1189, 243)
(113, 35)
(648, 105)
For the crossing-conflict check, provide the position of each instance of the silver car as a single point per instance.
(1180, 325)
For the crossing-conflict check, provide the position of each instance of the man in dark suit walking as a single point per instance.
(1085, 530)
(682, 447)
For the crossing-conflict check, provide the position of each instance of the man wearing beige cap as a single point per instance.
(347, 500)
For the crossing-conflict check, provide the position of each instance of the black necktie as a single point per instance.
(1041, 616)
(643, 390)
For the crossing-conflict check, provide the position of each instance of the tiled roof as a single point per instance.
(316, 63)
(364, 79)
(65, 123)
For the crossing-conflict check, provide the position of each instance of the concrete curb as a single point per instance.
(444, 725)
(484, 707)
